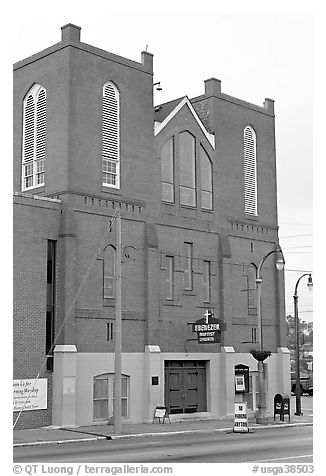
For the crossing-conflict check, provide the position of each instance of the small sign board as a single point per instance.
(240, 383)
(160, 413)
(30, 394)
(240, 418)
(241, 378)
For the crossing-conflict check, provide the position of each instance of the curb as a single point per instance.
(211, 430)
(165, 433)
(60, 442)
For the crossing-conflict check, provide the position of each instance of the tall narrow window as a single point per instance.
(34, 138)
(169, 278)
(188, 266)
(110, 331)
(109, 277)
(124, 396)
(250, 171)
(100, 398)
(253, 334)
(206, 188)
(187, 169)
(206, 281)
(251, 286)
(50, 303)
(167, 165)
(110, 137)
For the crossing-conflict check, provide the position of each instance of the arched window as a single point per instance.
(34, 138)
(167, 166)
(187, 169)
(110, 137)
(206, 186)
(109, 277)
(250, 171)
(103, 396)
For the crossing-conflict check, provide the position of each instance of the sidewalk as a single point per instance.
(53, 435)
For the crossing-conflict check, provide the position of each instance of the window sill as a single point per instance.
(171, 303)
(188, 207)
(206, 210)
(188, 293)
(115, 191)
(251, 217)
(35, 190)
(109, 302)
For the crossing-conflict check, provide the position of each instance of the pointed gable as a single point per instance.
(158, 126)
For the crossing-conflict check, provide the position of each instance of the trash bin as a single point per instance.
(281, 405)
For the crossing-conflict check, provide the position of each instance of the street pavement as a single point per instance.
(274, 445)
(55, 436)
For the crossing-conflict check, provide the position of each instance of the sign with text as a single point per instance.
(30, 394)
(240, 418)
(208, 329)
(240, 384)
(241, 378)
(160, 413)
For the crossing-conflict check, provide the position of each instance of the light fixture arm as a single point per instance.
(297, 283)
(258, 269)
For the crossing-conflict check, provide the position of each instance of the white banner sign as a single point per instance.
(30, 394)
(240, 417)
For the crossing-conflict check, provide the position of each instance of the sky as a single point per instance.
(257, 54)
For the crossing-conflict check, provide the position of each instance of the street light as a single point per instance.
(260, 415)
(297, 344)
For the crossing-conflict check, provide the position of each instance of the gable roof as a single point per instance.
(158, 126)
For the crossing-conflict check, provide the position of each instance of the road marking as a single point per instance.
(277, 459)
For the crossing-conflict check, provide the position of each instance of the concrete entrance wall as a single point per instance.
(74, 375)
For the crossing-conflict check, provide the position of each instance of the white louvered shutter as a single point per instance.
(250, 171)
(110, 144)
(40, 136)
(29, 140)
(34, 138)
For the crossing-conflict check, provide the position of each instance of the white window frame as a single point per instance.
(250, 170)
(35, 162)
(109, 378)
(111, 158)
(168, 184)
(188, 162)
(203, 156)
(109, 260)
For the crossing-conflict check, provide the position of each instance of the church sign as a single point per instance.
(30, 394)
(208, 328)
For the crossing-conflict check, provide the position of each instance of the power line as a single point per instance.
(298, 246)
(303, 224)
(299, 252)
(294, 236)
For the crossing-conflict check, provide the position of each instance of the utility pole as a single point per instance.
(117, 342)
(261, 412)
(297, 344)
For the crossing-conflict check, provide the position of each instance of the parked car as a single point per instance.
(306, 383)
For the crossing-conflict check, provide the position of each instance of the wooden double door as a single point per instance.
(185, 386)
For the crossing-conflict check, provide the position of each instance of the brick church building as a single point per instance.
(194, 181)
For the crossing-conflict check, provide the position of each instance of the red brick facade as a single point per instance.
(78, 209)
